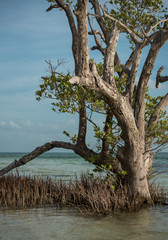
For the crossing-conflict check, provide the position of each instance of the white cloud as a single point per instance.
(151, 84)
(26, 123)
(2, 123)
(14, 125)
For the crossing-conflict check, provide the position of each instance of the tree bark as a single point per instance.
(133, 162)
(83, 46)
(133, 73)
(81, 141)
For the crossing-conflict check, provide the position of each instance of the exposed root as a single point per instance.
(91, 196)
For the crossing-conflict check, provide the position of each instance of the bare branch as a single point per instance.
(159, 148)
(109, 60)
(52, 7)
(89, 119)
(159, 78)
(152, 27)
(101, 35)
(38, 151)
(146, 35)
(98, 44)
(133, 73)
(99, 19)
(98, 48)
(158, 42)
(96, 111)
(52, 68)
(149, 29)
(66, 8)
(125, 69)
(158, 109)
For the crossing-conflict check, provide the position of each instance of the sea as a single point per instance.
(68, 223)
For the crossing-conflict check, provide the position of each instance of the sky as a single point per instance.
(28, 37)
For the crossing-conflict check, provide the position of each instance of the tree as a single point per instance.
(110, 88)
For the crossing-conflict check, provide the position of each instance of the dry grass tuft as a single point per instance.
(93, 196)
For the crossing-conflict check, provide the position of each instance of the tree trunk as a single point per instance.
(132, 161)
(138, 182)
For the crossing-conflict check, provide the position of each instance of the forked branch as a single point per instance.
(95, 34)
(158, 110)
(154, 26)
(159, 78)
(99, 19)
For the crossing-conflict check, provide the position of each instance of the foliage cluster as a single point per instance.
(138, 14)
(67, 98)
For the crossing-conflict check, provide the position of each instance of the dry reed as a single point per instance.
(88, 195)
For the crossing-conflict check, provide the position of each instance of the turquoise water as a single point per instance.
(54, 165)
(61, 224)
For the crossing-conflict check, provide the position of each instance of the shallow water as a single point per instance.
(54, 165)
(61, 224)
(64, 224)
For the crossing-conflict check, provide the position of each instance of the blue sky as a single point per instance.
(28, 37)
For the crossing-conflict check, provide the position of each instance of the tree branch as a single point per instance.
(133, 73)
(158, 109)
(152, 27)
(66, 8)
(52, 6)
(107, 130)
(127, 29)
(99, 19)
(38, 151)
(159, 78)
(130, 59)
(95, 82)
(110, 53)
(158, 42)
(83, 46)
(81, 141)
(98, 44)
(96, 111)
